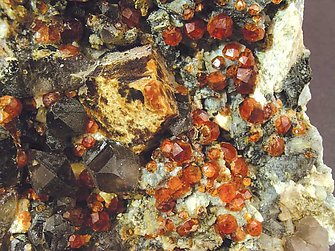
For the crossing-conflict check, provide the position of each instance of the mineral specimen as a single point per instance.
(159, 125)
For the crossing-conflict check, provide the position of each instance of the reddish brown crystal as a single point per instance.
(199, 117)
(211, 170)
(188, 227)
(229, 151)
(227, 192)
(21, 158)
(92, 126)
(217, 81)
(88, 142)
(172, 36)
(100, 221)
(251, 111)
(253, 33)
(237, 204)
(254, 227)
(231, 51)
(77, 241)
(50, 98)
(283, 124)
(131, 17)
(191, 174)
(226, 224)
(245, 80)
(10, 108)
(246, 59)
(209, 132)
(181, 152)
(220, 26)
(239, 167)
(275, 146)
(218, 62)
(196, 29)
(72, 31)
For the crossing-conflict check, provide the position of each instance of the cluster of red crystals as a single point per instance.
(188, 227)
(79, 150)
(88, 141)
(252, 111)
(275, 146)
(10, 108)
(95, 202)
(172, 36)
(21, 158)
(195, 29)
(116, 206)
(227, 192)
(283, 125)
(131, 17)
(100, 221)
(230, 152)
(226, 224)
(220, 26)
(246, 59)
(253, 33)
(92, 126)
(177, 150)
(77, 241)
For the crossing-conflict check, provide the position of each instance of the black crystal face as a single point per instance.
(114, 168)
(51, 174)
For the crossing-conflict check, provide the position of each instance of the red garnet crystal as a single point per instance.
(227, 192)
(211, 170)
(245, 80)
(181, 152)
(283, 124)
(79, 150)
(199, 117)
(68, 50)
(188, 227)
(191, 174)
(10, 108)
(238, 235)
(88, 142)
(164, 200)
(209, 132)
(217, 81)
(226, 224)
(76, 216)
(251, 111)
(172, 36)
(218, 62)
(246, 59)
(196, 29)
(220, 26)
(236, 204)
(229, 151)
(166, 147)
(100, 221)
(21, 158)
(253, 33)
(77, 241)
(175, 183)
(231, 51)
(92, 126)
(131, 17)
(239, 167)
(85, 179)
(50, 98)
(275, 146)
(254, 228)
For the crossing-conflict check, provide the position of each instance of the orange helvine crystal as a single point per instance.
(199, 117)
(88, 141)
(220, 26)
(253, 33)
(246, 59)
(209, 132)
(172, 36)
(191, 174)
(275, 146)
(245, 80)
(239, 167)
(181, 152)
(188, 227)
(211, 170)
(252, 111)
(254, 227)
(227, 192)
(226, 224)
(231, 51)
(283, 124)
(195, 29)
(229, 151)
(217, 81)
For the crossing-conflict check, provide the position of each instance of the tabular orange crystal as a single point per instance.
(217, 81)
(196, 29)
(283, 124)
(220, 26)
(92, 126)
(77, 241)
(188, 227)
(100, 221)
(229, 151)
(191, 174)
(275, 146)
(245, 80)
(231, 51)
(209, 132)
(181, 152)
(211, 170)
(10, 108)
(199, 117)
(246, 59)
(172, 36)
(254, 228)
(226, 224)
(239, 167)
(227, 192)
(253, 33)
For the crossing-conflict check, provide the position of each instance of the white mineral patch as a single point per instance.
(287, 47)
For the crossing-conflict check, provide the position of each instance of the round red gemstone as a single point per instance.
(275, 146)
(245, 80)
(211, 170)
(100, 221)
(88, 141)
(231, 51)
(226, 224)
(181, 152)
(239, 167)
(196, 29)
(92, 126)
(199, 117)
(86, 179)
(229, 151)
(253, 33)
(188, 227)
(246, 59)
(227, 192)
(283, 125)
(220, 26)
(172, 36)
(166, 147)
(131, 17)
(254, 228)
(209, 132)
(217, 81)
(251, 111)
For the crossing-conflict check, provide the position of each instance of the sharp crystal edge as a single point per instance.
(159, 125)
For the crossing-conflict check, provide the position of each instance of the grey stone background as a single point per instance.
(319, 33)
